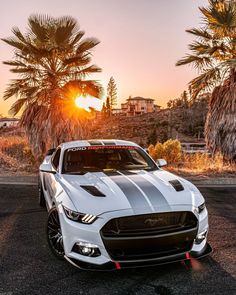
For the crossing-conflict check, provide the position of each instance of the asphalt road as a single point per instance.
(28, 267)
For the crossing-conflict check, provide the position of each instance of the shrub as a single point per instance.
(169, 150)
(172, 150)
(159, 151)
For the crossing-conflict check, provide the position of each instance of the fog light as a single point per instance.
(200, 237)
(86, 249)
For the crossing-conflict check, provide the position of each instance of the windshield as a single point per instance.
(80, 160)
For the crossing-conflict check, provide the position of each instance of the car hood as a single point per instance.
(141, 191)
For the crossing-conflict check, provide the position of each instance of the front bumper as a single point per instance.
(74, 232)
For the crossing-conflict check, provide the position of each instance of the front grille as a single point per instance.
(149, 224)
(149, 235)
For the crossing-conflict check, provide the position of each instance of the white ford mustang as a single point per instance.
(111, 206)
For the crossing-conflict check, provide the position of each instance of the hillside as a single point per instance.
(152, 127)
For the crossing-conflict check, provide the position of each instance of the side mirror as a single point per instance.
(46, 167)
(161, 162)
(50, 152)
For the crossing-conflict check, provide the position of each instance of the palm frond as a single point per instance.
(17, 106)
(14, 63)
(205, 81)
(87, 44)
(77, 38)
(199, 47)
(77, 61)
(30, 92)
(15, 43)
(37, 25)
(67, 21)
(64, 33)
(19, 35)
(220, 16)
(93, 88)
(201, 33)
(24, 70)
(13, 89)
(231, 63)
(197, 61)
(88, 70)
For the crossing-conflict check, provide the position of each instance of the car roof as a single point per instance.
(96, 142)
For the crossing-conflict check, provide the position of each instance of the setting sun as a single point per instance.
(87, 102)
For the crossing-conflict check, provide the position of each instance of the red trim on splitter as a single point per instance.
(187, 255)
(117, 265)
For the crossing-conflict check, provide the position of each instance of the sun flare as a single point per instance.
(87, 102)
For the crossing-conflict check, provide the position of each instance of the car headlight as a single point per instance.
(79, 217)
(201, 207)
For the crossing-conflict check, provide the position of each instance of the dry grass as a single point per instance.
(203, 164)
(15, 155)
(197, 164)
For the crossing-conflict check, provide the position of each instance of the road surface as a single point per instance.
(28, 267)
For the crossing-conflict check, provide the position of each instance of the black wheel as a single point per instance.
(42, 202)
(54, 235)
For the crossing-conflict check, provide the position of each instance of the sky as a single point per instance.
(141, 40)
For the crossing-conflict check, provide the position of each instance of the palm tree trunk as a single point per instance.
(220, 127)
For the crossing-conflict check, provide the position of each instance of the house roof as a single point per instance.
(8, 119)
(139, 98)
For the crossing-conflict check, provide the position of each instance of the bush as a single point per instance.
(151, 151)
(169, 150)
(172, 150)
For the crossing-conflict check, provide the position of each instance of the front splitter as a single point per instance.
(114, 265)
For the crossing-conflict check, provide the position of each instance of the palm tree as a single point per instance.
(213, 54)
(52, 61)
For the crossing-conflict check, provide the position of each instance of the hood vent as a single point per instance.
(177, 185)
(92, 190)
(95, 142)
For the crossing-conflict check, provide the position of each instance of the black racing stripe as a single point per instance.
(132, 193)
(155, 197)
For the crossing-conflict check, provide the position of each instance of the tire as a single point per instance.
(41, 198)
(54, 235)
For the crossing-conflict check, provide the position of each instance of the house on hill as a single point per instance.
(8, 122)
(136, 106)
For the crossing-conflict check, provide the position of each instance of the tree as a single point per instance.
(112, 92)
(185, 99)
(52, 61)
(108, 106)
(213, 54)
